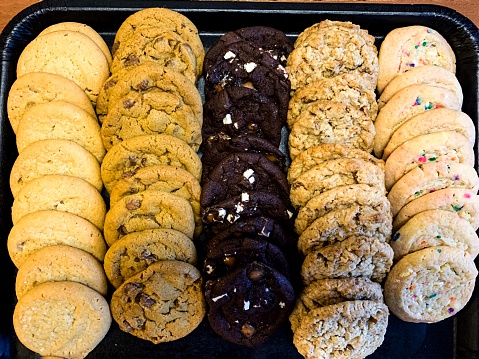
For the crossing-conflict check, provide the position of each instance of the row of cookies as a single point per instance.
(245, 197)
(58, 211)
(427, 143)
(151, 115)
(337, 186)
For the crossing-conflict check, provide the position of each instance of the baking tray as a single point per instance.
(456, 337)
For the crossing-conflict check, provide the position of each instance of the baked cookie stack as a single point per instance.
(58, 210)
(245, 197)
(427, 142)
(151, 114)
(344, 221)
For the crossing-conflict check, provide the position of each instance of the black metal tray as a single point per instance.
(456, 337)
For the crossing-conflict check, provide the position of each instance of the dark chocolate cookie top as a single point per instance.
(226, 256)
(241, 110)
(249, 304)
(217, 147)
(243, 172)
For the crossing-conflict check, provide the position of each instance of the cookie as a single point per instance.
(351, 329)
(239, 110)
(48, 228)
(408, 47)
(135, 251)
(149, 77)
(407, 103)
(356, 256)
(158, 112)
(428, 75)
(325, 292)
(242, 64)
(162, 303)
(168, 20)
(84, 29)
(437, 120)
(158, 45)
(430, 285)
(340, 224)
(148, 210)
(60, 120)
(60, 263)
(60, 193)
(261, 227)
(220, 215)
(56, 156)
(329, 51)
(430, 177)
(103, 100)
(162, 178)
(318, 154)
(40, 87)
(127, 157)
(215, 148)
(432, 228)
(444, 146)
(69, 319)
(462, 201)
(337, 198)
(326, 122)
(225, 256)
(240, 173)
(335, 173)
(248, 305)
(70, 54)
(347, 88)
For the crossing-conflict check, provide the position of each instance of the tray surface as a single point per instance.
(456, 337)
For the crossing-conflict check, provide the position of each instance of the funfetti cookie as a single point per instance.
(60, 120)
(60, 263)
(70, 321)
(48, 228)
(430, 285)
(40, 87)
(408, 47)
(168, 20)
(71, 54)
(435, 227)
(135, 251)
(437, 120)
(409, 102)
(318, 335)
(318, 154)
(60, 193)
(464, 202)
(445, 146)
(430, 177)
(148, 210)
(428, 75)
(56, 156)
(163, 303)
(248, 305)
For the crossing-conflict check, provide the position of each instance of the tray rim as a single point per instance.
(236, 6)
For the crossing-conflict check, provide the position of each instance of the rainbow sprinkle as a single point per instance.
(432, 295)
